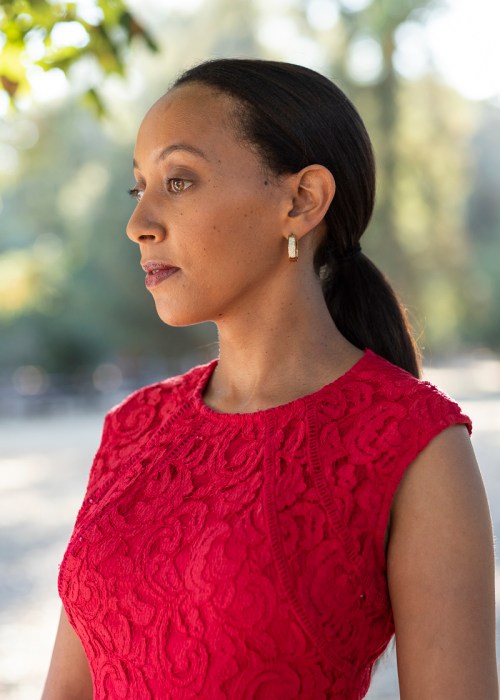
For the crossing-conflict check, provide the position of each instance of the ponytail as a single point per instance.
(368, 313)
(296, 117)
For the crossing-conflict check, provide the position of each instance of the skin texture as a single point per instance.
(441, 576)
(224, 222)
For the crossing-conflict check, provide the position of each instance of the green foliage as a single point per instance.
(35, 27)
(483, 233)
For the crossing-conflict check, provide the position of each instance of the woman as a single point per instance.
(251, 528)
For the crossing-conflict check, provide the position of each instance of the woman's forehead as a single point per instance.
(191, 107)
(194, 116)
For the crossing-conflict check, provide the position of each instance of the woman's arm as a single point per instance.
(69, 674)
(441, 575)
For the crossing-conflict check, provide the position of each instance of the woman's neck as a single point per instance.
(275, 352)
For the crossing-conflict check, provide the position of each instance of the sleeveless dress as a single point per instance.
(241, 556)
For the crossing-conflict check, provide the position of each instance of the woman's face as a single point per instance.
(206, 207)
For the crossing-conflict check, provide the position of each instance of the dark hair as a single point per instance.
(297, 117)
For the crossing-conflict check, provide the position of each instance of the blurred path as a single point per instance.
(43, 470)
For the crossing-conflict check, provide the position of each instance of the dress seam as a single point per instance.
(378, 598)
(285, 578)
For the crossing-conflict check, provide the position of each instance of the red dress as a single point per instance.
(241, 556)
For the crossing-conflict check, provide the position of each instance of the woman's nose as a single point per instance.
(141, 227)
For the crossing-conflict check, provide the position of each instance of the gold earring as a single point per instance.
(293, 248)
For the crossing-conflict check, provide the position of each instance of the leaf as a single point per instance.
(10, 86)
(134, 29)
(62, 58)
(93, 100)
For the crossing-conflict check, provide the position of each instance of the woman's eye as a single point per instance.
(135, 193)
(178, 184)
(175, 185)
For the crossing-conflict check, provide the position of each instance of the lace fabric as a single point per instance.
(239, 556)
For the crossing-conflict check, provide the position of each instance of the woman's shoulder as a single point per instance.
(394, 379)
(377, 387)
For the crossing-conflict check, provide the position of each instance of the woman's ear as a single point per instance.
(314, 189)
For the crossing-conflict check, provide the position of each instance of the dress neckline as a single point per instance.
(209, 368)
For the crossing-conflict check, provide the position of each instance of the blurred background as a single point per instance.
(78, 330)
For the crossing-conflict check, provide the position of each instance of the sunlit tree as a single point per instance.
(55, 36)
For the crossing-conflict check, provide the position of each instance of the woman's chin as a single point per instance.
(178, 318)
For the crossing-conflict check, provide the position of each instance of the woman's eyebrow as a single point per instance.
(164, 152)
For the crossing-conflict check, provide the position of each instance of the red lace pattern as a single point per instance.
(241, 556)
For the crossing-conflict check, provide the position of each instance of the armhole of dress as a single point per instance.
(384, 517)
(90, 486)
(106, 436)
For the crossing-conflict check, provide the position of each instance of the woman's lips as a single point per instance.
(157, 275)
